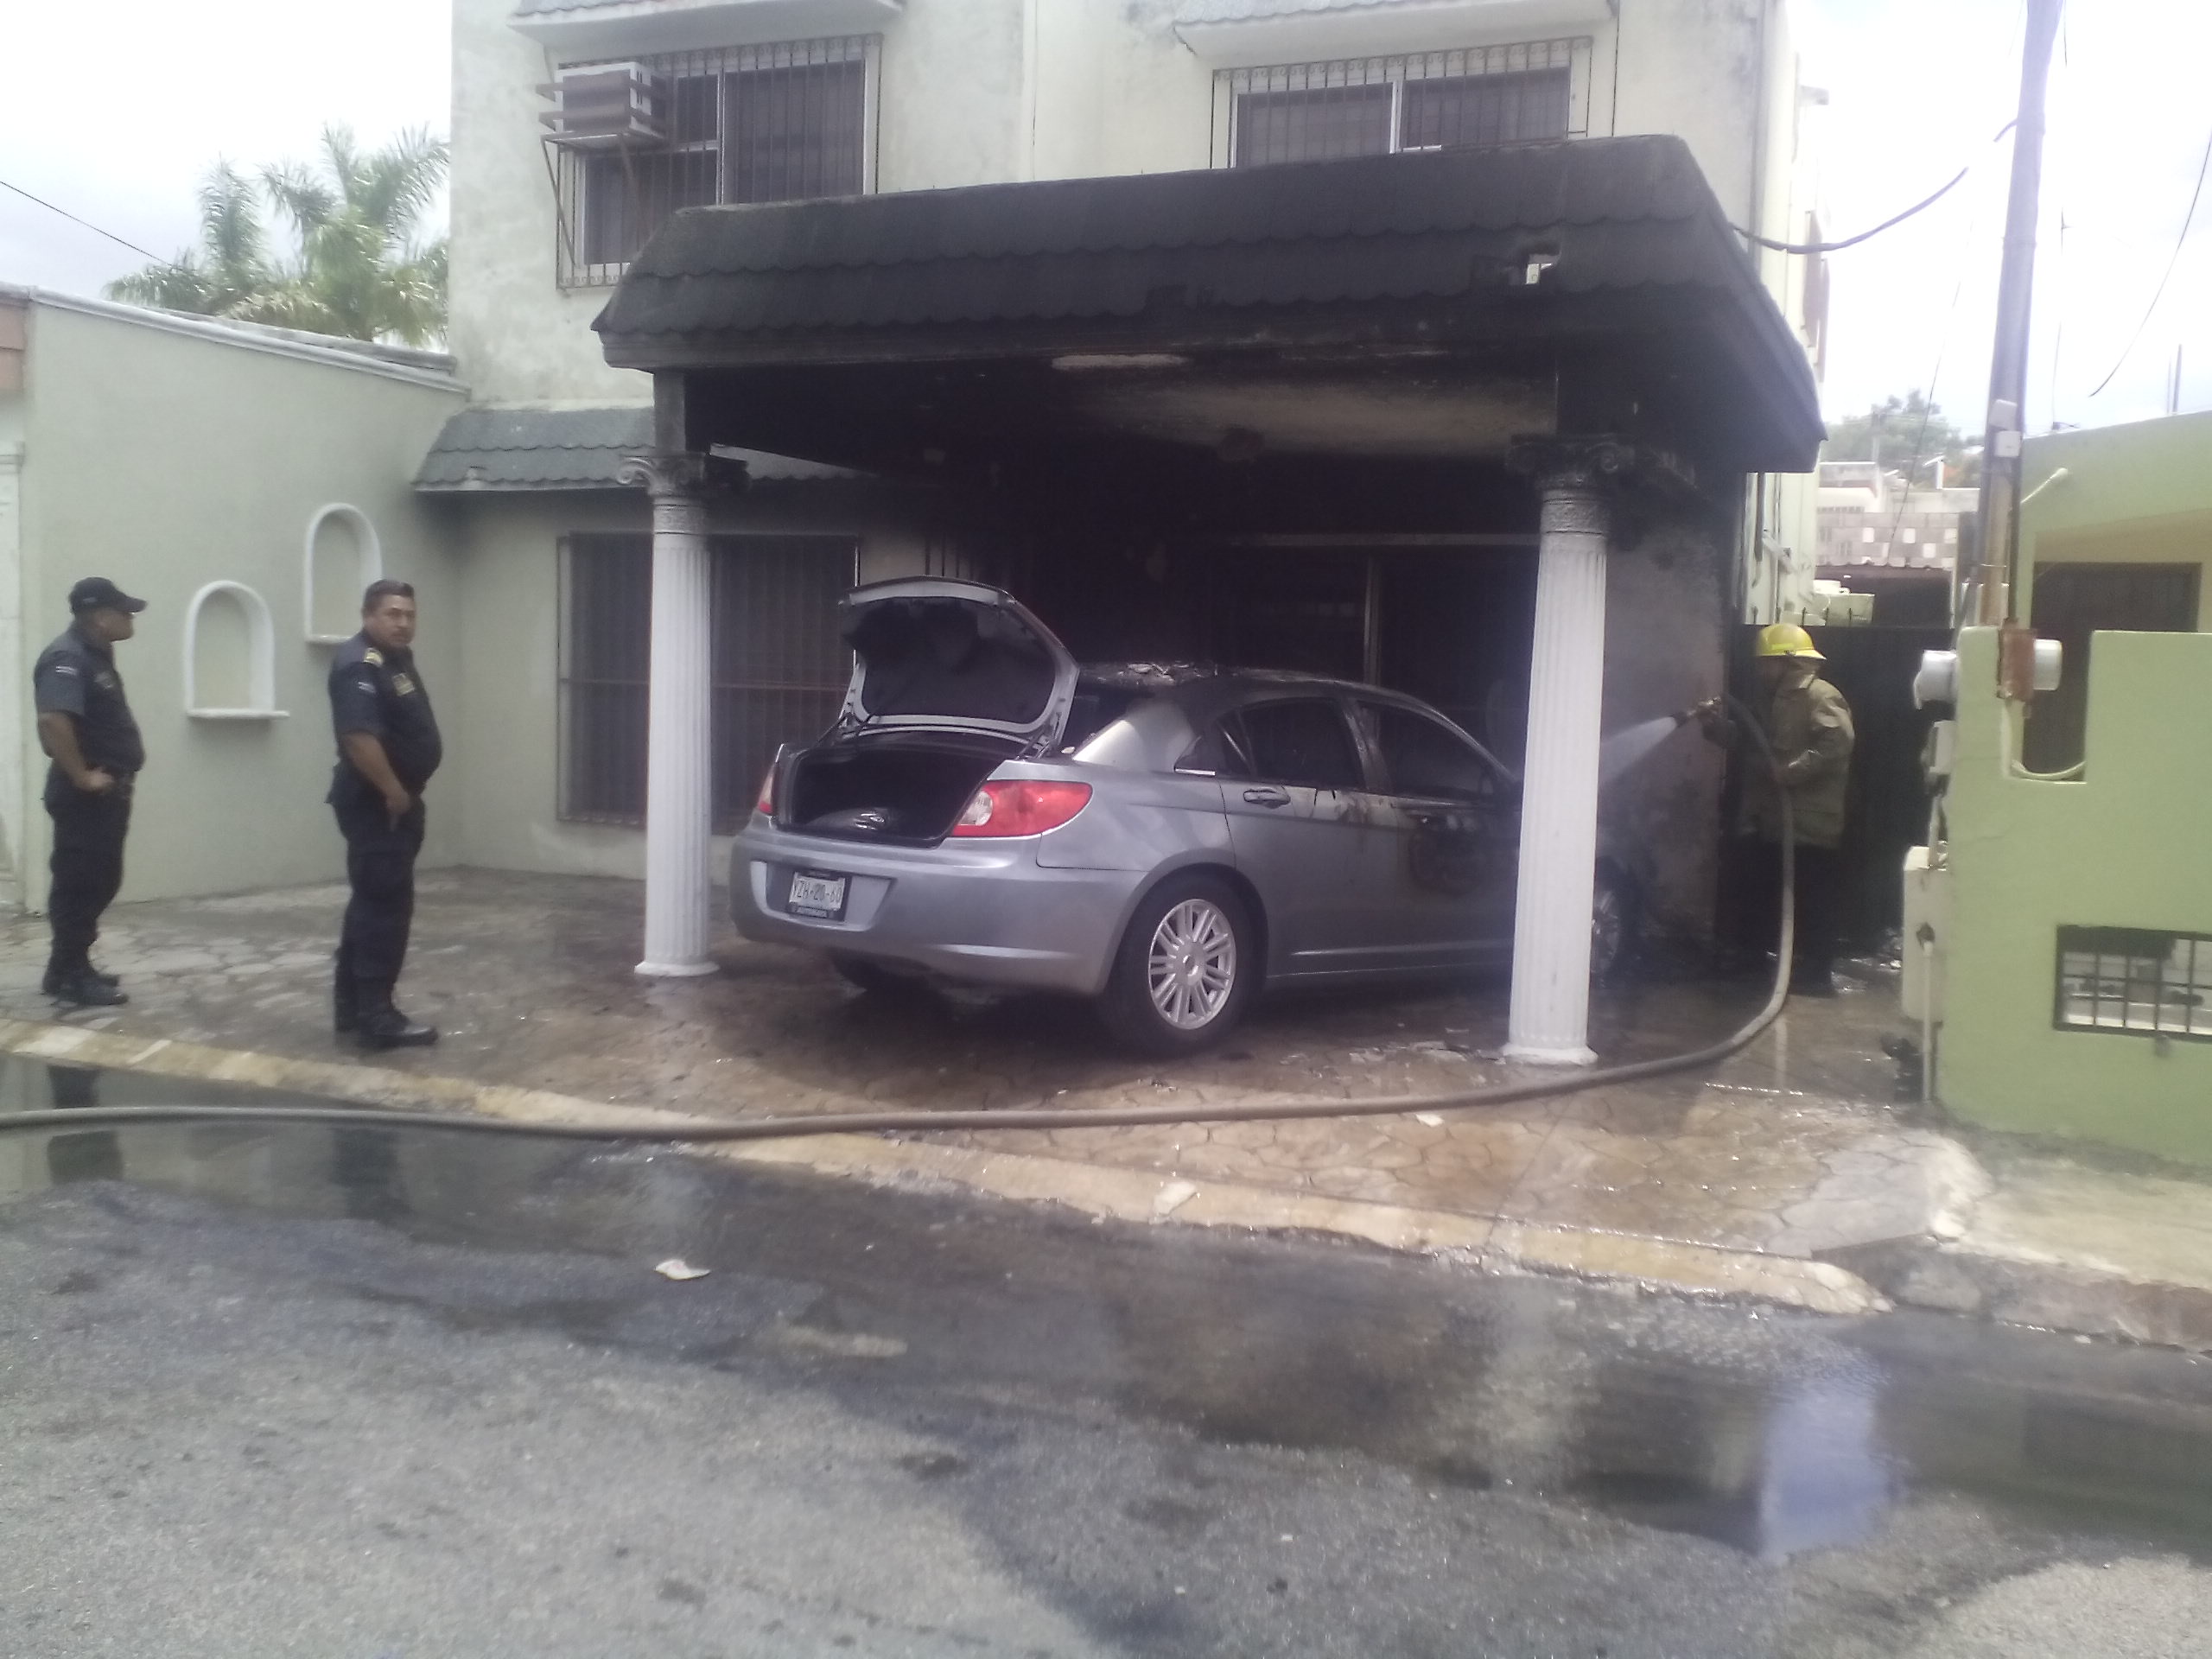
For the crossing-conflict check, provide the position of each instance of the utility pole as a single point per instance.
(2008, 368)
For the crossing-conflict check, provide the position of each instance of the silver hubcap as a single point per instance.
(1193, 964)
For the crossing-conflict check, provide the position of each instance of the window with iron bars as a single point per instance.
(1378, 106)
(780, 671)
(780, 122)
(2131, 979)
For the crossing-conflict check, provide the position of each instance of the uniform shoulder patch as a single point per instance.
(373, 657)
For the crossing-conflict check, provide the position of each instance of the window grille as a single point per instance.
(605, 650)
(2134, 980)
(1376, 106)
(780, 669)
(781, 123)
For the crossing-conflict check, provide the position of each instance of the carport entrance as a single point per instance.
(1562, 342)
(1448, 619)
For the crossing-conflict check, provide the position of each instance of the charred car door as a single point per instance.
(1452, 816)
(1294, 790)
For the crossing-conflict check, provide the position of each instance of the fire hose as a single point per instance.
(784, 1128)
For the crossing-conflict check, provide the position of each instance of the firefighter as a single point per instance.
(1807, 726)
(388, 747)
(86, 726)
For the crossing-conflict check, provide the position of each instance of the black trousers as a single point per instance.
(87, 866)
(1755, 876)
(380, 868)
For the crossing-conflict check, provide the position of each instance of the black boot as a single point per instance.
(84, 989)
(383, 1026)
(57, 977)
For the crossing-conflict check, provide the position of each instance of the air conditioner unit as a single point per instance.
(601, 106)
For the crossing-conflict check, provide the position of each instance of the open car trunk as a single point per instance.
(934, 654)
(904, 787)
(949, 679)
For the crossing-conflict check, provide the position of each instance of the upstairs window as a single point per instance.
(783, 123)
(1377, 106)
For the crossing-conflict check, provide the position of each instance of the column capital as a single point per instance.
(681, 473)
(1584, 466)
(1599, 465)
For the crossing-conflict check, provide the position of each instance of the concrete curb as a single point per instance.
(1495, 1243)
(1956, 1278)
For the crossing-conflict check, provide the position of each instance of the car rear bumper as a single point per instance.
(982, 912)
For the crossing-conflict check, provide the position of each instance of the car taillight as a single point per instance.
(766, 806)
(1021, 807)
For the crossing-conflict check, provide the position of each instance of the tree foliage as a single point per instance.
(1905, 435)
(358, 268)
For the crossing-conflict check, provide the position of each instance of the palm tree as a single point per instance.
(228, 274)
(360, 270)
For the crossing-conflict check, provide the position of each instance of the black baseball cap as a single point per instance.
(98, 594)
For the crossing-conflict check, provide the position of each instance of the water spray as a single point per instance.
(1624, 748)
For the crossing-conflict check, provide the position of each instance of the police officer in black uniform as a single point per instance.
(85, 726)
(388, 747)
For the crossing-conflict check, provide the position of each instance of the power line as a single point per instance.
(2196, 196)
(86, 223)
(1921, 207)
(1928, 398)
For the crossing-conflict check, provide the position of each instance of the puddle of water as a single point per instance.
(1775, 1435)
(293, 1171)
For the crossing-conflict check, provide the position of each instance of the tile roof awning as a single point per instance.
(521, 449)
(1598, 276)
(1252, 32)
(640, 27)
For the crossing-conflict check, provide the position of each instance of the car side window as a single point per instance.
(1425, 758)
(1301, 740)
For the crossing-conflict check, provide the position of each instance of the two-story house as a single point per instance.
(582, 126)
(1426, 341)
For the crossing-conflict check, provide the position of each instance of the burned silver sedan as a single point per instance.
(1163, 841)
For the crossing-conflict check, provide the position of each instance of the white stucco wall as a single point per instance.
(511, 578)
(167, 461)
(518, 337)
(975, 92)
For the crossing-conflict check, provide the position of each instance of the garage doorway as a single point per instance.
(1451, 624)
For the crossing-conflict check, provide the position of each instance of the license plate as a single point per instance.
(821, 897)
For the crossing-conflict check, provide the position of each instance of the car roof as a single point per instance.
(1212, 686)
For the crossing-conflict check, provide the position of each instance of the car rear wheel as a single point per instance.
(1185, 969)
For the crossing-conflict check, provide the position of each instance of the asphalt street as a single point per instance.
(369, 1395)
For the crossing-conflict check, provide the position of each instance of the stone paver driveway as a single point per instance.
(1791, 1147)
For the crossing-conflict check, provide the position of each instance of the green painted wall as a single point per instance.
(2139, 493)
(2125, 846)
(167, 461)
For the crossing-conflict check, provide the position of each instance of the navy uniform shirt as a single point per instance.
(76, 676)
(379, 692)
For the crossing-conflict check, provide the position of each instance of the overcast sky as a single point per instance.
(1917, 88)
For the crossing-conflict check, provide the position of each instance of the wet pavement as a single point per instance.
(303, 1391)
(1798, 1146)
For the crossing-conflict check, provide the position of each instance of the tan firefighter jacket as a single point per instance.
(1809, 724)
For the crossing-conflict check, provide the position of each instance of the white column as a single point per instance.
(1549, 1023)
(679, 754)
